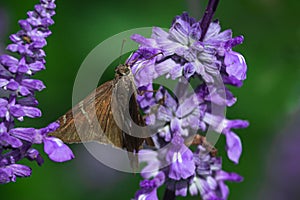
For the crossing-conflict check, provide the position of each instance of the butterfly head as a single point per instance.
(123, 70)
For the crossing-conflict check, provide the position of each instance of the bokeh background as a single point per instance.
(269, 99)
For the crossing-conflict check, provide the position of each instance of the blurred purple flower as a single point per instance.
(4, 21)
(18, 100)
(281, 177)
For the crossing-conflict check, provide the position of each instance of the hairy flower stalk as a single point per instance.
(178, 118)
(17, 99)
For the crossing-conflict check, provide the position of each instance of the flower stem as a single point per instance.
(169, 195)
(207, 17)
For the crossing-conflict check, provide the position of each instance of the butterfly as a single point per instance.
(100, 117)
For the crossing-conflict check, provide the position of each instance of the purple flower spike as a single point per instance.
(189, 51)
(15, 78)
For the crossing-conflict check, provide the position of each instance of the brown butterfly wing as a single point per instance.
(127, 112)
(138, 118)
(134, 143)
(94, 120)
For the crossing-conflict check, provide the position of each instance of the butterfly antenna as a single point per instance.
(121, 52)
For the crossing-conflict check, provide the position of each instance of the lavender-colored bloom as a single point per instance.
(183, 54)
(181, 160)
(143, 69)
(210, 93)
(192, 114)
(235, 65)
(181, 168)
(6, 140)
(57, 150)
(174, 116)
(148, 189)
(188, 56)
(33, 154)
(209, 178)
(10, 172)
(233, 142)
(18, 100)
(177, 158)
(198, 173)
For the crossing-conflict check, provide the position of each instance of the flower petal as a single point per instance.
(235, 65)
(234, 146)
(57, 150)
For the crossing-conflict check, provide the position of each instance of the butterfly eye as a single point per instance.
(126, 71)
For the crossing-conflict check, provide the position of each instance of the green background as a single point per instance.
(270, 94)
